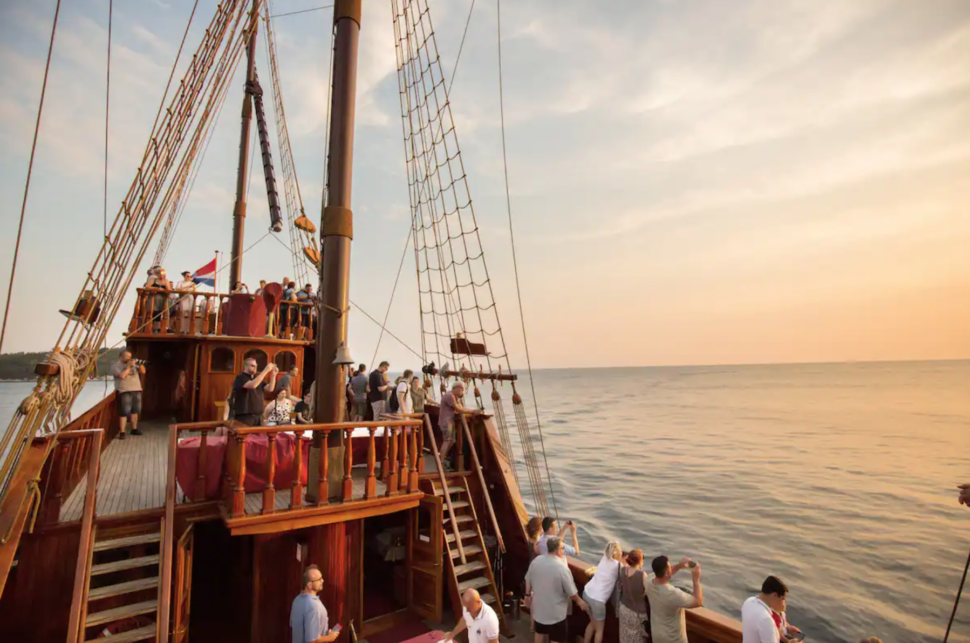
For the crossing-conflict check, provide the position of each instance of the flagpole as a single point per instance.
(215, 287)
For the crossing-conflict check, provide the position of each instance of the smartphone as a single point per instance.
(692, 564)
(798, 637)
(336, 628)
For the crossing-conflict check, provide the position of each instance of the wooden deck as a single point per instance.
(133, 478)
(132, 475)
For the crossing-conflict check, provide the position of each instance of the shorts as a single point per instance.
(597, 609)
(129, 403)
(448, 433)
(557, 631)
(360, 408)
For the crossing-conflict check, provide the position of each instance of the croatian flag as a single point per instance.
(206, 275)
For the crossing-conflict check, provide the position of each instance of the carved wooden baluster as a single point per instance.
(370, 488)
(403, 459)
(163, 329)
(269, 491)
(420, 447)
(323, 467)
(296, 492)
(385, 463)
(459, 446)
(348, 465)
(136, 316)
(202, 462)
(413, 477)
(392, 478)
(239, 492)
(192, 317)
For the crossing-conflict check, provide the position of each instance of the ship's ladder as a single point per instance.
(475, 571)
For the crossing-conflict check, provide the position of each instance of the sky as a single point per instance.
(692, 182)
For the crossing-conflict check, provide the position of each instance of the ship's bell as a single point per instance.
(343, 356)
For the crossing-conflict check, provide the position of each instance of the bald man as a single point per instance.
(308, 617)
(478, 618)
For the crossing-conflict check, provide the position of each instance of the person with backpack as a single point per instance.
(401, 400)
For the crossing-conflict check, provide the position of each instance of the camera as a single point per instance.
(138, 362)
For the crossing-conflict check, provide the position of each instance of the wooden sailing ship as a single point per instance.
(201, 527)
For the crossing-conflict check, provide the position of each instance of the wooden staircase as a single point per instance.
(476, 571)
(122, 583)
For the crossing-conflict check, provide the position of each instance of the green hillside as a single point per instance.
(20, 366)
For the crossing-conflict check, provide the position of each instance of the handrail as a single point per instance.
(444, 487)
(78, 601)
(168, 538)
(252, 430)
(481, 480)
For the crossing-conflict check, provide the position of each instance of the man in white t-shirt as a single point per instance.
(757, 623)
(478, 618)
(403, 393)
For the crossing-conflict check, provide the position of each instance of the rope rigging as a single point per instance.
(170, 152)
(456, 299)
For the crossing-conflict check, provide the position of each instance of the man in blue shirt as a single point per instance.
(308, 616)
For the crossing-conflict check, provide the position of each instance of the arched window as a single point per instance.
(222, 360)
(285, 360)
(257, 355)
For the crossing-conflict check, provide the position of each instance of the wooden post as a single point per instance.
(370, 488)
(296, 493)
(392, 479)
(136, 316)
(420, 448)
(203, 459)
(413, 477)
(323, 493)
(459, 445)
(239, 492)
(403, 472)
(385, 473)
(348, 463)
(269, 490)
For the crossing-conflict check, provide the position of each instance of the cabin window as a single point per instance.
(285, 360)
(259, 356)
(222, 360)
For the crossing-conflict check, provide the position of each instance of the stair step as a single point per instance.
(473, 583)
(488, 598)
(122, 588)
(469, 551)
(475, 565)
(118, 613)
(130, 636)
(458, 504)
(438, 491)
(460, 519)
(128, 563)
(468, 533)
(118, 543)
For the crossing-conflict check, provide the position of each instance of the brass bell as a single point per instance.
(343, 355)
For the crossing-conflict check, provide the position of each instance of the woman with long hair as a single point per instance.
(599, 589)
(279, 410)
(634, 611)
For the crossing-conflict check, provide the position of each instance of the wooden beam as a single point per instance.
(316, 516)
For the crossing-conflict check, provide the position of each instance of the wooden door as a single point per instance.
(183, 586)
(424, 550)
(220, 365)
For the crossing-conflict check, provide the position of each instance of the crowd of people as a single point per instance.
(646, 603)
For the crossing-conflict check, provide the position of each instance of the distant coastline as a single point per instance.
(19, 367)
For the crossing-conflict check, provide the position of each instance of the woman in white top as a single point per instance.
(599, 589)
(186, 301)
(279, 410)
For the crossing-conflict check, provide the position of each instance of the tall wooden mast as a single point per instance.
(336, 232)
(239, 211)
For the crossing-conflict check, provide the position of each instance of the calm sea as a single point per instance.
(839, 478)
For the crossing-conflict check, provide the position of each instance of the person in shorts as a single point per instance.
(450, 405)
(126, 374)
(549, 586)
(599, 590)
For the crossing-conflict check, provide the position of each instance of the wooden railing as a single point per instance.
(398, 468)
(481, 479)
(70, 458)
(163, 312)
(446, 494)
(79, 596)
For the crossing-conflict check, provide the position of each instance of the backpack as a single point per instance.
(395, 404)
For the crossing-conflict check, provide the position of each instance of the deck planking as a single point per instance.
(132, 475)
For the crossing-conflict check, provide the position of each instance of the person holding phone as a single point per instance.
(308, 617)
(550, 530)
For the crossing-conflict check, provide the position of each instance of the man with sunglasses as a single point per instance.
(308, 617)
(248, 392)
